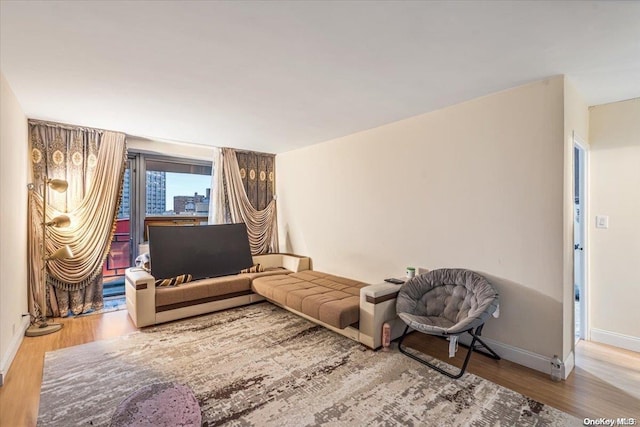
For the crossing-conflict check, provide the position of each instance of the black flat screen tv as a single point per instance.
(202, 251)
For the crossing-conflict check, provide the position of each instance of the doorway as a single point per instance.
(580, 238)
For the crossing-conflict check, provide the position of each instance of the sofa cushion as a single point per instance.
(330, 299)
(202, 290)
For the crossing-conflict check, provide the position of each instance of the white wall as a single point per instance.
(14, 166)
(477, 185)
(614, 135)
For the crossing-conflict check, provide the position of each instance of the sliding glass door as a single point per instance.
(119, 257)
(157, 191)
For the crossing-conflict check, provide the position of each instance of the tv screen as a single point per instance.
(202, 251)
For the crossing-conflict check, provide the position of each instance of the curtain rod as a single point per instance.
(88, 129)
(63, 126)
(238, 150)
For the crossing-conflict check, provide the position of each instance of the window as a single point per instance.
(171, 189)
(177, 188)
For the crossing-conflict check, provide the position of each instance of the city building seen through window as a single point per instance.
(172, 187)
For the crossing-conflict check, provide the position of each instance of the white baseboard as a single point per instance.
(14, 345)
(615, 339)
(521, 356)
(568, 365)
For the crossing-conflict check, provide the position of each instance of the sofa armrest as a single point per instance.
(378, 306)
(140, 291)
(290, 262)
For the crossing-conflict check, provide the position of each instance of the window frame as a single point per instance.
(138, 195)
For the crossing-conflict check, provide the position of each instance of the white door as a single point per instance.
(579, 239)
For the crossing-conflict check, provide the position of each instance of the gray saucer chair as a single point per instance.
(447, 303)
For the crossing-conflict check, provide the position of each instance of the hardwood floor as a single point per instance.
(605, 382)
(20, 394)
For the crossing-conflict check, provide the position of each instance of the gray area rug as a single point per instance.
(263, 366)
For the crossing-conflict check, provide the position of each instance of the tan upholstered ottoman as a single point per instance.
(330, 299)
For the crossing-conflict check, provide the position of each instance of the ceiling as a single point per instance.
(275, 76)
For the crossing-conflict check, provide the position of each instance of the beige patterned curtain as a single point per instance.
(93, 163)
(232, 188)
(257, 171)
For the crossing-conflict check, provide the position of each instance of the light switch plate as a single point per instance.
(602, 221)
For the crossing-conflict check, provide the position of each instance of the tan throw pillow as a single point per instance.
(174, 281)
(256, 268)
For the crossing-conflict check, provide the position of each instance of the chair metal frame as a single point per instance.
(476, 343)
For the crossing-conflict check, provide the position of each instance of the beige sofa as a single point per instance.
(348, 307)
(150, 305)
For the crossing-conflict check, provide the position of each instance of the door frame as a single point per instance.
(134, 197)
(579, 144)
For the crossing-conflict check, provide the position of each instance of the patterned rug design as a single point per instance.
(260, 365)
